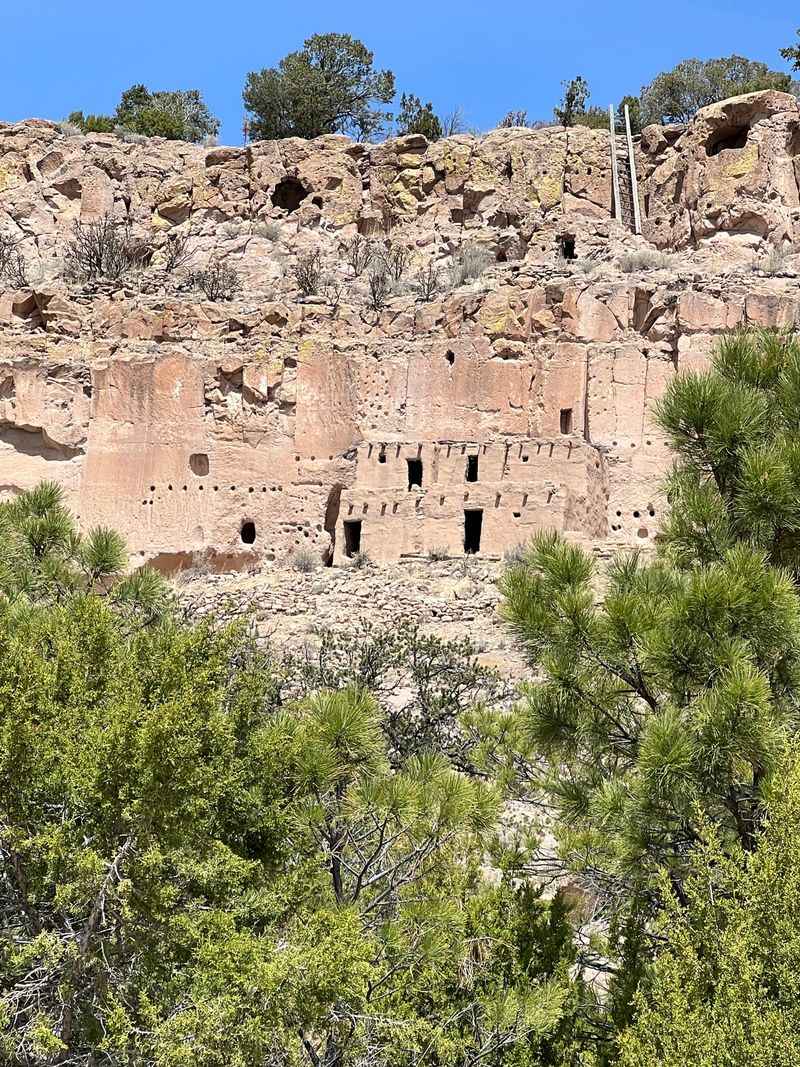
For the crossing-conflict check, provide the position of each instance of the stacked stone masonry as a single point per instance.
(242, 431)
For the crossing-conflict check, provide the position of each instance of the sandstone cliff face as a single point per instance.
(244, 430)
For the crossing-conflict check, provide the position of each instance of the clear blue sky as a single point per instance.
(60, 56)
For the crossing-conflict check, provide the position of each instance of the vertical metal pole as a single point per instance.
(612, 126)
(637, 219)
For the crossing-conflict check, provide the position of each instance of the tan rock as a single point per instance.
(520, 400)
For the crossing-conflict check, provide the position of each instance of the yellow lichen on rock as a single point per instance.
(7, 179)
(547, 191)
(744, 163)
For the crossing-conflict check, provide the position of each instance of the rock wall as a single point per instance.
(241, 431)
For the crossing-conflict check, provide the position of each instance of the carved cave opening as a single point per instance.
(728, 137)
(288, 194)
(566, 244)
(473, 523)
(565, 420)
(248, 532)
(352, 537)
(198, 464)
(414, 473)
(472, 469)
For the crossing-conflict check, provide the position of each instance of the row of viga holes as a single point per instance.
(524, 450)
(642, 531)
(551, 492)
(216, 489)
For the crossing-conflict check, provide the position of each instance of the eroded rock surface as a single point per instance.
(237, 432)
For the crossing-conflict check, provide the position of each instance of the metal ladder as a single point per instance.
(623, 170)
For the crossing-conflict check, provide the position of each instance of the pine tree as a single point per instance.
(667, 700)
(44, 558)
(416, 117)
(665, 691)
(792, 54)
(573, 102)
(326, 87)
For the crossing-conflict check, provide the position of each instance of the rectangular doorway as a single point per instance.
(473, 522)
(567, 245)
(472, 468)
(414, 472)
(352, 537)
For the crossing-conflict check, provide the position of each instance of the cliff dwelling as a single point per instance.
(289, 194)
(729, 138)
(494, 390)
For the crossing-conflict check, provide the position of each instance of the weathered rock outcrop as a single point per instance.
(731, 179)
(245, 430)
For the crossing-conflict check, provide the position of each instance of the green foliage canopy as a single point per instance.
(91, 123)
(675, 95)
(573, 102)
(425, 686)
(43, 558)
(594, 118)
(734, 431)
(725, 989)
(416, 117)
(634, 113)
(179, 115)
(667, 690)
(194, 873)
(792, 54)
(327, 87)
(207, 858)
(670, 697)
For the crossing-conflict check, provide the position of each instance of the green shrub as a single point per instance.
(218, 280)
(676, 95)
(416, 117)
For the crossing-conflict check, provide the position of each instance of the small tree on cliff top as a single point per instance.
(179, 115)
(326, 87)
(91, 123)
(416, 117)
(793, 54)
(573, 103)
(634, 113)
(677, 94)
